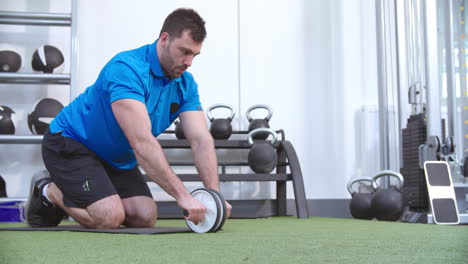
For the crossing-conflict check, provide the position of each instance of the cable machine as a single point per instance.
(421, 56)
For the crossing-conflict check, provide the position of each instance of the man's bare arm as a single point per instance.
(202, 145)
(133, 118)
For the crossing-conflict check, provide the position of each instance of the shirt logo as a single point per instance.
(174, 108)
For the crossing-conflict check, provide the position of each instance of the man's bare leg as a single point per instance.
(140, 211)
(107, 213)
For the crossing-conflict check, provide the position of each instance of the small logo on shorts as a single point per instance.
(86, 186)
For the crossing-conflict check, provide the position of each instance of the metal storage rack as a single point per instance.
(287, 158)
(42, 19)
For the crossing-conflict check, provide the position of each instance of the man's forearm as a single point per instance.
(151, 158)
(206, 162)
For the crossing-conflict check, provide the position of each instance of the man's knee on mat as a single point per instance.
(140, 216)
(107, 213)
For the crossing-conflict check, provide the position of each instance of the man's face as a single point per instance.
(177, 54)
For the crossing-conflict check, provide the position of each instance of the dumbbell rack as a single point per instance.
(286, 158)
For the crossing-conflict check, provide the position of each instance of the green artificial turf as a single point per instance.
(272, 240)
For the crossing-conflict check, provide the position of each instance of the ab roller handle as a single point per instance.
(216, 212)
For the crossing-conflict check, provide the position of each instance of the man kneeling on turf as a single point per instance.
(96, 143)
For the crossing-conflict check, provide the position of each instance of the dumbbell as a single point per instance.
(215, 215)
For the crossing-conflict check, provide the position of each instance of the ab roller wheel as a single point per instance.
(215, 215)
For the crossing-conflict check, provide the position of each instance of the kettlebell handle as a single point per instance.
(210, 117)
(397, 175)
(262, 106)
(359, 179)
(263, 129)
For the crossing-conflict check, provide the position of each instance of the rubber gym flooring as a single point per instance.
(266, 240)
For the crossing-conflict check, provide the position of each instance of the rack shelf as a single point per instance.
(35, 78)
(287, 158)
(165, 143)
(190, 177)
(35, 19)
(21, 139)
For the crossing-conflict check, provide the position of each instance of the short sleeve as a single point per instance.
(123, 82)
(191, 101)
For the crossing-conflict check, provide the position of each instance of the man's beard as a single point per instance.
(169, 66)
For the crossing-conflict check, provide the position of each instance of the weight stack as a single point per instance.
(414, 189)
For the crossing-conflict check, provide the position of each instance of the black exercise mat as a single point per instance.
(123, 230)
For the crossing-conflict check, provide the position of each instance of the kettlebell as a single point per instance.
(262, 156)
(179, 131)
(388, 204)
(2, 187)
(220, 128)
(7, 125)
(259, 123)
(360, 205)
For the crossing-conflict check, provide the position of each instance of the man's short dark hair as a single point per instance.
(184, 19)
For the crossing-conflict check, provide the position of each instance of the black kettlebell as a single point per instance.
(179, 131)
(388, 204)
(2, 187)
(262, 156)
(259, 123)
(220, 128)
(6, 120)
(360, 205)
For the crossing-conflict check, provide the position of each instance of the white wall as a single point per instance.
(340, 81)
(312, 61)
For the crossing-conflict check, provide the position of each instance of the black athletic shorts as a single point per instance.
(83, 177)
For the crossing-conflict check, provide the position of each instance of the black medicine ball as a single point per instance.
(6, 122)
(46, 58)
(45, 110)
(10, 61)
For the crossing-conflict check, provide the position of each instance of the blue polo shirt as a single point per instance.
(134, 74)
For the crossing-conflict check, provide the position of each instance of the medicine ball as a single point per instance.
(45, 110)
(47, 58)
(10, 61)
(6, 120)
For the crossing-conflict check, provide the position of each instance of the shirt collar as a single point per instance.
(155, 65)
